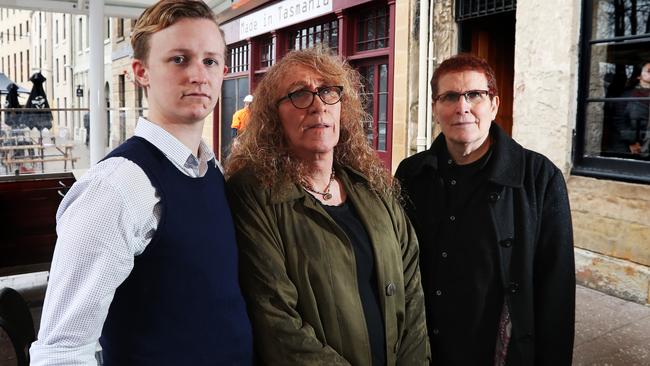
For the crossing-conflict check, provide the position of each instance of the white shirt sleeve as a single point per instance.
(104, 220)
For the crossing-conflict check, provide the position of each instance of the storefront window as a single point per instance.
(268, 52)
(375, 94)
(373, 29)
(238, 58)
(613, 134)
(322, 34)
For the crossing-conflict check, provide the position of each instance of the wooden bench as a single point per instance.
(9, 158)
(28, 206)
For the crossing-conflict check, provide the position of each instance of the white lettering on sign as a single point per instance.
(281, 15)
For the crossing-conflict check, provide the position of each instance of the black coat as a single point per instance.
(531, 224)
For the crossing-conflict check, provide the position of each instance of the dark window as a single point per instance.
(469, 9)
(373, 29)
(80, 33)
(65, 64)
(57, 69)
(121, 93)
(321, 34)
(237, 60)
(613, 127)
(268, 52)
(120, 27)
(375, 95)
(22, 68)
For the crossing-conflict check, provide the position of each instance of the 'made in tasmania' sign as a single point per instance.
(281, 15)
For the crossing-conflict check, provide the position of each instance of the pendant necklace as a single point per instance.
(326, 193)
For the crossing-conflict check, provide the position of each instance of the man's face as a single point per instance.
(465, 124)
(184, 71)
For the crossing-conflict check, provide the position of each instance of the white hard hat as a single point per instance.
(248, 98)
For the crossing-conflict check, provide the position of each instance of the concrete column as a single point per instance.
(545, 83)
(98, 127)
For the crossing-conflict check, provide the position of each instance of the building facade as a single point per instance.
(567, 72)
(361, 31)
(16, 59)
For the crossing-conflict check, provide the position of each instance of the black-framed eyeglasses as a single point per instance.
(471, 96)
(304, 98)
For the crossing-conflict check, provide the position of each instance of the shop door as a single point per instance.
(493, 38)
(378, 126)
(233, 92)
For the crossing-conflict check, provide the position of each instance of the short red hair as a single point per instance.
(464, 62)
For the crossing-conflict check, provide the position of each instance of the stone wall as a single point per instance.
(402, 64)
(612, 236)
(545, 85)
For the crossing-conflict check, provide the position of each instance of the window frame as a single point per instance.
(619, 169)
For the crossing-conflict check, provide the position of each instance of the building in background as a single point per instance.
(61, 78)
(16, 59)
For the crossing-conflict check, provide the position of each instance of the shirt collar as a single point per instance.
(174, 150)
(507, 163)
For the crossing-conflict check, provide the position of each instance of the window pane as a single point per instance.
(325, 33)
(612, 67)
(615, 18)
(381, 143)
(372, 29)
(618, 129)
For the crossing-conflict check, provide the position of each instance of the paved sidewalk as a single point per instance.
(610, 331)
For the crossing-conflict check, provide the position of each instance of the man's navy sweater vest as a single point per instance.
(181, 304)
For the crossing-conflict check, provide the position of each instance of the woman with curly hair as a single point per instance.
(328, 261)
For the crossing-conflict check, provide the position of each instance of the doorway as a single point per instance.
(233, 92)
(492, 37)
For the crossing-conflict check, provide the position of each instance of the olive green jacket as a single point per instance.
(298, 275)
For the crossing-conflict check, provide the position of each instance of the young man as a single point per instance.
(146, 254)
(494, 227)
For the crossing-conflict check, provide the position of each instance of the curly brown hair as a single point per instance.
(263, 147)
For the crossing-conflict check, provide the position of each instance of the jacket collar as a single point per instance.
(506, 165)
(284, 191)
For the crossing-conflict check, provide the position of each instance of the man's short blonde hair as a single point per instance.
(162, 15)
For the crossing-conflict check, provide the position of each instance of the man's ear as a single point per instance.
(225, 69)
(140, 72)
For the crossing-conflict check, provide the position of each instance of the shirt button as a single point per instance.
(438, 292)
(436, 331)
(450, 161)
(444, 254)
(493, 197)
(453, 182)
(452, 218)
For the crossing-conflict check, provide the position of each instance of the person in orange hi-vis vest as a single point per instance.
(240, 118)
